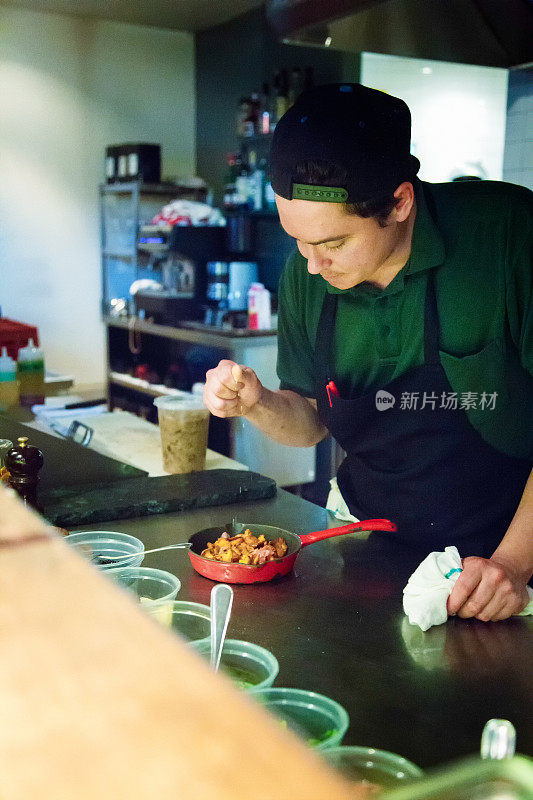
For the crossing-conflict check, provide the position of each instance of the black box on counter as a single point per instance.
(133, 162)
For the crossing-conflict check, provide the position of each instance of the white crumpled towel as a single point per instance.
(336, 503)
(428, 588)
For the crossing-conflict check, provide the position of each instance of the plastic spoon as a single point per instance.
(236, 374)
(99, 559)
(221, 602)
(498, 739)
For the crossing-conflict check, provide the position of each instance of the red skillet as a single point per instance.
(247, 573)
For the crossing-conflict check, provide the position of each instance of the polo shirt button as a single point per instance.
(385, 330)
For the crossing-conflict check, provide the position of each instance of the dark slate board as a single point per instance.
(140, 497)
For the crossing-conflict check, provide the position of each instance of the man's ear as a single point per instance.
(405, 197)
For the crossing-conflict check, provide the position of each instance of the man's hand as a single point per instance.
(487, 589)
(287, 417)
(231, 390)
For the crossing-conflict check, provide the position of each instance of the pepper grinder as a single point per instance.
(23, 462)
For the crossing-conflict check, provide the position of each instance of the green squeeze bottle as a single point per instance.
(9, 389)
(30, 373)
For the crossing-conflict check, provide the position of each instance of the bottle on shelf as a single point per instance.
(9, 388)
(237, 188)
(273, 109)
(30, 374)
(251, 123)
(281, 84)
(257, 185)
(296, 86)
(242, 187)
(265, 108)
(243, 110)
(259, 313)
(269, 197)
(230, 177)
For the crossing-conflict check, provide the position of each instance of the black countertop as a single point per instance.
(67, 463)
(337, 627)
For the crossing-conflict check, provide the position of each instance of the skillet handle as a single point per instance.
(353, 527)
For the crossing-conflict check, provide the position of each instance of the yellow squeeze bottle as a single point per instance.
(9, 388)
(30, 373)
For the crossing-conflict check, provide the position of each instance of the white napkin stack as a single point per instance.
(428, 589)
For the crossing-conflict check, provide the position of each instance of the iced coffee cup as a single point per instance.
(184, 424)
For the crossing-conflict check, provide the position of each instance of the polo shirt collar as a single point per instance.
(427, 249)
(427, 246)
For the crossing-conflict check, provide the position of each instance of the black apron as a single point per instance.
(426, 469)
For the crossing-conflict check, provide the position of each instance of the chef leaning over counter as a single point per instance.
(405, 330)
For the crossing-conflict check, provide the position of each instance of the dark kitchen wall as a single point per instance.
(235, 59)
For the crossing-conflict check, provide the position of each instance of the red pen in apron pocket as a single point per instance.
(331, 389)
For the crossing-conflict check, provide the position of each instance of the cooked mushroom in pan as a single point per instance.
(245, 548)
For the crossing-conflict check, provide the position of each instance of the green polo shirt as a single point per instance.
(477, 237)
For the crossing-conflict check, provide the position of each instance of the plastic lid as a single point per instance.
(189, 402)
(7, 364)
(30, 352)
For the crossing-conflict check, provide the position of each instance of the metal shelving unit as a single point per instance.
(201, 334)
(149, 389)
(124, 207)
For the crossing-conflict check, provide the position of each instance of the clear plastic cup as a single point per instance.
(380, 768)
(155, 589)
(184, 425)
(248, 665)
(108, 549)
(192, 621)
(320, 721)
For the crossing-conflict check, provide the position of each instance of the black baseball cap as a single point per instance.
(364, 132)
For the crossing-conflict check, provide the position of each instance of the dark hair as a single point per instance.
(327, 174)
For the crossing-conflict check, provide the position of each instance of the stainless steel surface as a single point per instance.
(337, 627)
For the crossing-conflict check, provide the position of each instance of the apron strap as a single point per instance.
(324, 342)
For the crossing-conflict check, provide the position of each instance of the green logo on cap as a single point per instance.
(323, 194)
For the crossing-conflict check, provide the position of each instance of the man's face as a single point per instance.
(343, 248)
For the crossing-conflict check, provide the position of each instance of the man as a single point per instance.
(406, 330)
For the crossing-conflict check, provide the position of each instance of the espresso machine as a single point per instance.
(177, 260)
(227, 292)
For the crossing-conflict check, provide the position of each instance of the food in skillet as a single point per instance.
(245, 548)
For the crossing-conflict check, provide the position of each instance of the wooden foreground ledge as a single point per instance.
(97, 702)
